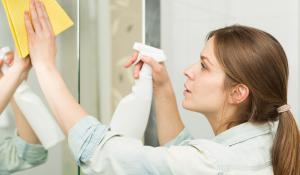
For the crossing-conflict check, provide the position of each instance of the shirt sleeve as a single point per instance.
(84, 137)
(111, 153)
(16, 155)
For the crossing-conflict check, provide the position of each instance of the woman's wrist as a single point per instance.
(165, 89)
(18, 72)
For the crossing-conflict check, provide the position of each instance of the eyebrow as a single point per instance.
(205, 58)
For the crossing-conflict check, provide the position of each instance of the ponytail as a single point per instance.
(286, 146)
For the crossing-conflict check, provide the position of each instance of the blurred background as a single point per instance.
(92, 52)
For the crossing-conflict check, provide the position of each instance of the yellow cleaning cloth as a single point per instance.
(15, 15)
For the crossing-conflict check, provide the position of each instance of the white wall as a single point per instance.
(185, 24)
(282, 21)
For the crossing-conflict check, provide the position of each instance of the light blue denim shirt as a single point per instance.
(244, 149)
(16, 155)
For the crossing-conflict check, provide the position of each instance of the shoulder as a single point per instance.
(251, 155)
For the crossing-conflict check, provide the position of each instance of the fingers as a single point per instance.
(132, 59)
(156, 67)
(9, 58)
(29, 28)
(34, 15)
(40, 18)
(137, 69)
(41, 15)
(47, 18)
(44, 18)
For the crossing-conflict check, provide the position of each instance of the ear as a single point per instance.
(238, 94)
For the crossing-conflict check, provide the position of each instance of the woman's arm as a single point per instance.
(99, 151)
(169, 123)
(12, 79)
(42, 52)
(23, 152)
(23, 128)
(8, 84)
(68, 111)
(16, 155)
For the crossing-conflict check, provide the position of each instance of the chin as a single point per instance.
(186, 105)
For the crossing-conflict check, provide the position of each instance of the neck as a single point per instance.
(219, 123)
(220, 120)
(217, 127)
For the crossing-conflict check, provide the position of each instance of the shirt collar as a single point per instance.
(242, 132)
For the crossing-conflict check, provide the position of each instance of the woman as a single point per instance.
(24, 150)
(239, 84)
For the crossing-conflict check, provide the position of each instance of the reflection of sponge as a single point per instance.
(15, 15)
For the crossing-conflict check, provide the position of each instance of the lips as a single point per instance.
(186, 89)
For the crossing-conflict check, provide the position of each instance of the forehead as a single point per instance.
(208, 51)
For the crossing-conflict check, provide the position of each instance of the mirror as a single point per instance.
(90, 58)
(59, 160)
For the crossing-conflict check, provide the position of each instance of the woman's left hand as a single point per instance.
(41, 37)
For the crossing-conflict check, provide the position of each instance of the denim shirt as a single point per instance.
(244, 149)
(16, 155)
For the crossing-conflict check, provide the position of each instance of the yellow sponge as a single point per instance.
(15, 15)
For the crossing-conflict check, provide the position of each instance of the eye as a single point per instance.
(203, 66)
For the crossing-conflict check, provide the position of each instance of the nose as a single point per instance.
(188, 72)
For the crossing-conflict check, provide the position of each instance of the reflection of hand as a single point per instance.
(159, 71)
(1, 64)
(40, 35)
(22, 66)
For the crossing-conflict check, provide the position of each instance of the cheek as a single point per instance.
(208, 94)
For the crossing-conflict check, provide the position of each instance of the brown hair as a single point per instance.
(256, 59)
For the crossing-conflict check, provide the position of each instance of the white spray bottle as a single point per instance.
(132, 113)
(35, 112)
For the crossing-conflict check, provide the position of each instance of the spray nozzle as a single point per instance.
(145, 50)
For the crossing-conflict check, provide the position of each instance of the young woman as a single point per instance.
(239, 83)
(24, 150)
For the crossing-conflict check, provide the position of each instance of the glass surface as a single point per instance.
(59, 160)
(90, 58)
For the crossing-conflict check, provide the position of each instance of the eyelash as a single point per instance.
(203, 66)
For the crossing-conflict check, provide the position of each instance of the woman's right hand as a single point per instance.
(41, 36)
(159, 72)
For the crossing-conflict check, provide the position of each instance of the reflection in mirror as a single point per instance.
(59, 160)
